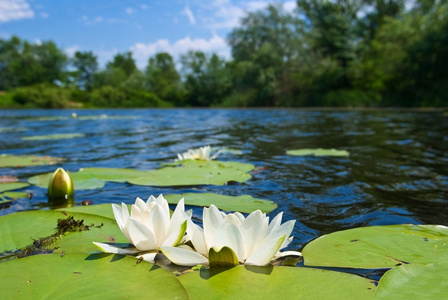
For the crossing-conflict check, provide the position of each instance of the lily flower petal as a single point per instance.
(228, 235)
(142, 238)
(184, 257)
(107, 248)
(266, 251)
(253, 230)
(149, 257)
(174, 238)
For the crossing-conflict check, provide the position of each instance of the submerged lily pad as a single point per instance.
(80, 276)
(273, 282)
(318, 152)
(379, 246)
(195, 172)
(414, 281)
(7, 160)
(244, 203)
(52, 136)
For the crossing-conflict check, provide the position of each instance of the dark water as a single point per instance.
(397, 171)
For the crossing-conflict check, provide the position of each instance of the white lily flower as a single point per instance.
(148, 227)
(202, 153)
(251, 240)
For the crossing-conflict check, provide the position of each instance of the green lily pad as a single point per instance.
(40, 224)
(318, 152)
(52, 136)
(6, 196)
(244, 203)
(79, 276)
(103, 210)
(273, 282)
(12, 129)
(379, 246)
(111, 174)
(81, 181)
(7, 160)
(8, 186)
(195, 172)
(414, 281)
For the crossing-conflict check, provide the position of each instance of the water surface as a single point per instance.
(397, 171)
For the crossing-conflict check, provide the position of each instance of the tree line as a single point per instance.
(326, 53)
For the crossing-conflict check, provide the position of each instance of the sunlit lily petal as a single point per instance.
(184, 257)
(116, 250)
(251, 240)
(149, 225)
(202, 153)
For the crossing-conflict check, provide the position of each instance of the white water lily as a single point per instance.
(251, 240)
(202, 153)
(148, 227)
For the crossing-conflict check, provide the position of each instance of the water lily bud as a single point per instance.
(60, 185)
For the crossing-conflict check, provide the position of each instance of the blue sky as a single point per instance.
(107, 27)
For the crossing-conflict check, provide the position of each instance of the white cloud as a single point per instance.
(44, 15)
(130, 10)
(38, 42)
(70, 51)
(223, 14)
(11, 10)
(142, 52)
(189, 14)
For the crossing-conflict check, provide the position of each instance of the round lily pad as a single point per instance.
(195, 172)
(414, 281)
(8, 186)
(318, 152)
(81, 181)
(273, 282)
(7, 160)
(379, 246)
(244, 203)
(80, 276)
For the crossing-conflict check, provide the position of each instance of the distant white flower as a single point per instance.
(202, 153)
(251, 240)
(148, 227)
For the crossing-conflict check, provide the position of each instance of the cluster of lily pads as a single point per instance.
(224, 240)
(239, 250)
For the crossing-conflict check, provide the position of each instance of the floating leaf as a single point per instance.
(81, 181)
(379, 246)
(194, 172)
(40, 224)
(244, 203)
(9, 186)
(79, 276)
(273, 282)
(111, 174)
(7, 160)
(318, 152)
(414, 281)
(103, 210)
(52, 136)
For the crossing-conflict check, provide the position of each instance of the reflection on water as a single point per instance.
(397, 171)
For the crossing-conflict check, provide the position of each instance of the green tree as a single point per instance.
(164, 79)
(206, 78)
(86, 65)
(22, 63)
(125, 62)
(265, 48)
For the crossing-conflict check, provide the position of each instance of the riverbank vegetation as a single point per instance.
(381, 53)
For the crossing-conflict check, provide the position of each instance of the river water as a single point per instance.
(397, 171)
